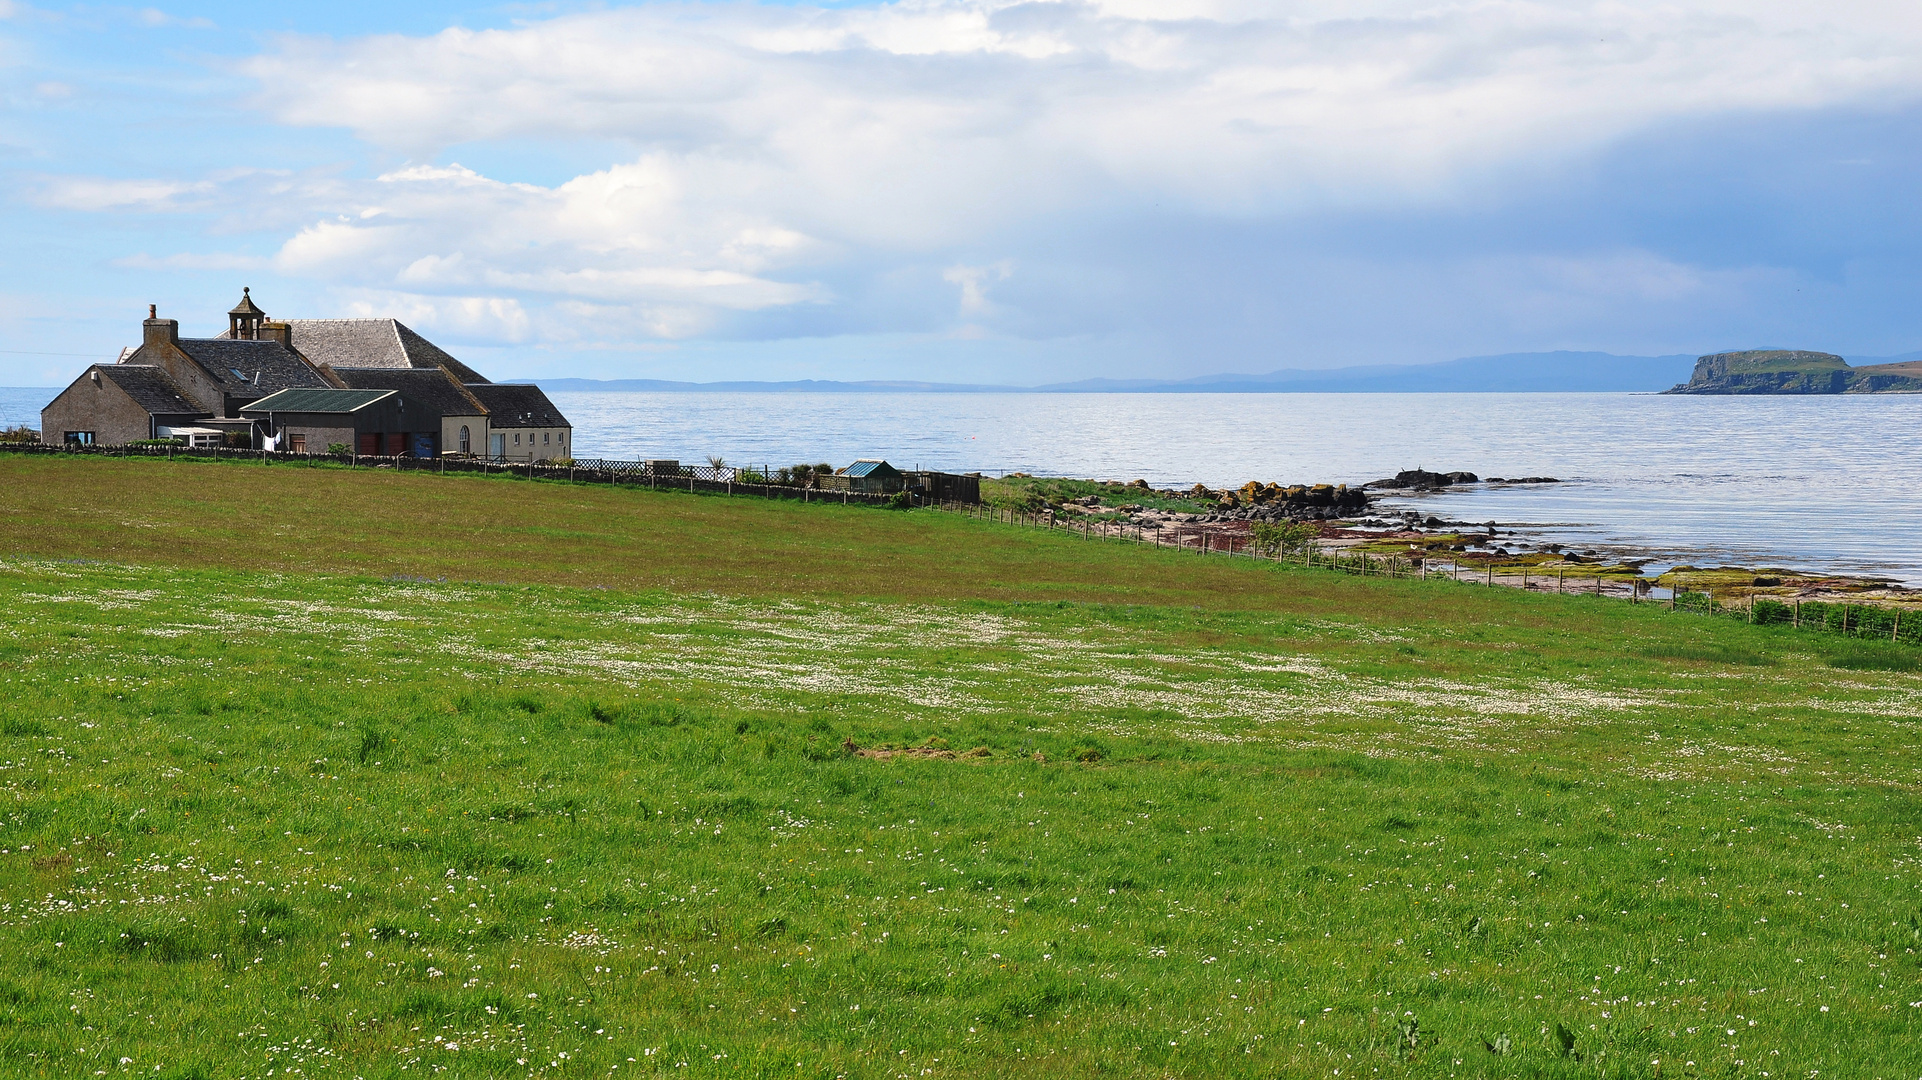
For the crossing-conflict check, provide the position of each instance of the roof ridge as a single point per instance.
(464, 392)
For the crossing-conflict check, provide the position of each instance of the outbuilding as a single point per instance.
(463, 419)
(112, 404)
(373, 423)
(873, 477)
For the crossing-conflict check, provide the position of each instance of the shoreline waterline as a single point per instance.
(1825, 483)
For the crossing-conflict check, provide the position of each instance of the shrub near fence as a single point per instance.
(721, 479)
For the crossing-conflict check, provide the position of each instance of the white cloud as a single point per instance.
(156, 18)
(950, 110)
(620, 236)
(192, 261)
(861, 167)
(96, 193)
(974, 282)
(485, 318)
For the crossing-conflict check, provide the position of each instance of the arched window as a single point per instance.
(466, 446)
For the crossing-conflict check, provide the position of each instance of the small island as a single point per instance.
(1797, 371)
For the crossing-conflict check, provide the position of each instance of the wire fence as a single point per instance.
(1856, 619)
(723, 480)
(1851, 618)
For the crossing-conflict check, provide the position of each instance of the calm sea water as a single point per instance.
(1816, 482)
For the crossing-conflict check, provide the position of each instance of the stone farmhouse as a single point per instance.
(304, 385)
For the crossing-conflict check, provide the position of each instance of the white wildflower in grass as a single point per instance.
(1244, 787)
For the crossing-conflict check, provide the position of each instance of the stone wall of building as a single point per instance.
(536, 444)
(97, 406)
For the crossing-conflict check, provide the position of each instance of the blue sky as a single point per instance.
(967, 191)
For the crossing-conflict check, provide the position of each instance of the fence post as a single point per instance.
(1797, 617)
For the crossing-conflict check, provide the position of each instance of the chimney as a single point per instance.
(278, 331)
(159, 331)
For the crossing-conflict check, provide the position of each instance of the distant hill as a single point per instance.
(807, 386)
(1550, 372)
(1796, 371)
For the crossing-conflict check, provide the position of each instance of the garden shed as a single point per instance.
(873, 477)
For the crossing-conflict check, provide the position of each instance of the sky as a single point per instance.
(973, 192)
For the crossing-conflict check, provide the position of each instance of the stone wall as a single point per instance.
(96, 406)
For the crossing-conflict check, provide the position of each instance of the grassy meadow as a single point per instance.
(349, 774)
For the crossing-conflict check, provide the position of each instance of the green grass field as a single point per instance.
(352, 774)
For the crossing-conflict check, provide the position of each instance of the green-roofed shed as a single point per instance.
(311, 420)
(869, 475)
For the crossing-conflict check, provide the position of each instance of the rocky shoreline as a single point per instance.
(1348, 520)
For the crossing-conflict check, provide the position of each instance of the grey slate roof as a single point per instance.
(383, 343)
(316, 400)
(516, 405)
(151, 388)
(433, 387)
(237, 362)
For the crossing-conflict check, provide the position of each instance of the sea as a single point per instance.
(1831, 484)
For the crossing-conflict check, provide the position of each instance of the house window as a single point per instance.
(79, 438)
(517, 438)
(299, 442)
(466, 445)
(563, 438)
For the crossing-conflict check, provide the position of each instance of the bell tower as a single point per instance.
(243, 322)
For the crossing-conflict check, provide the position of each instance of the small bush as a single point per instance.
(1281, 537)
(339, 448)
